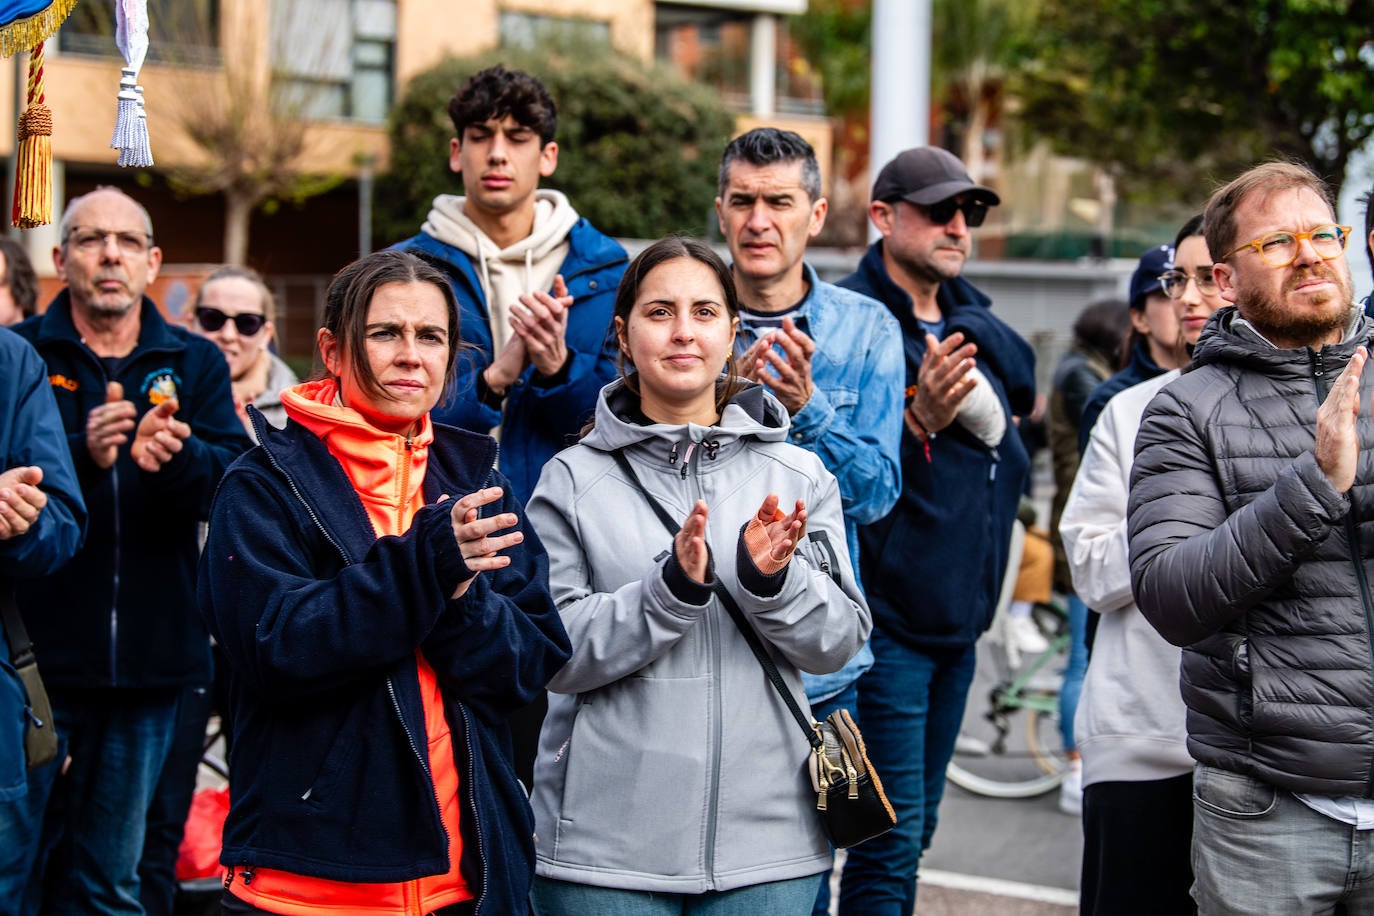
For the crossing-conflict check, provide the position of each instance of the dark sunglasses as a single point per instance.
(975, 211)
(246, 324)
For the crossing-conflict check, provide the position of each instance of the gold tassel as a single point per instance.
(23, 34)
(33, 174)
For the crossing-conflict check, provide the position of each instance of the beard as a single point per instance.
(1289, 326)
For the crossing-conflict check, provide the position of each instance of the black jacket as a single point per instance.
(1244, 553)
(932, 568)
(321, 619)
(122, 612)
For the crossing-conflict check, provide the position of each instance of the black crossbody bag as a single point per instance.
(849, 794)
(40, 735)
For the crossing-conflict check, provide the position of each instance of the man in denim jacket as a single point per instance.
(833, 357)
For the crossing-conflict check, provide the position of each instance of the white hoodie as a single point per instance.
(507, 273)
(1130, 721)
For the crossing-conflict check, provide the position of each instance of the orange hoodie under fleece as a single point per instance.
(388, 472)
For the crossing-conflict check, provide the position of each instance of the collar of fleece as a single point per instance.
(386, 469)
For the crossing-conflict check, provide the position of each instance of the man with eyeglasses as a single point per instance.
(1251, 544)
(933, 567)
(150, 425)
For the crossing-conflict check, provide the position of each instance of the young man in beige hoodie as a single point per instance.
(535, 282)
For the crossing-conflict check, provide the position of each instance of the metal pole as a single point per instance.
(900, 100)
(763, 66)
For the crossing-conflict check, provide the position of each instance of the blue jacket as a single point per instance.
(853, 419)
(539, 416)
(127, 598)
(1140, 369)
(933, 567)
(321, 619)
(31, 434)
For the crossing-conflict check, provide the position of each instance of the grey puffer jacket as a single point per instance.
(1242, 551)
(667, 761)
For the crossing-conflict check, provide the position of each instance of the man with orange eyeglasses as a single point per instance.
(1251, 542)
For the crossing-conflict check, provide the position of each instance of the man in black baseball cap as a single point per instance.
(933, 565)
(928, 175)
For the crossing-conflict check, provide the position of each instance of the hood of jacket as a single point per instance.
(1229, 339)
(753, 412)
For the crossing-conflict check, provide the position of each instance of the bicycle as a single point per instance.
(1023, 706)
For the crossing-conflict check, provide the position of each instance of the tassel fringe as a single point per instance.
(23, 34)
(33, 171)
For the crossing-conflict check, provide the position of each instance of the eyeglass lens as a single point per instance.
(1176, 281)
(212, 319)
(975, 211)
(1281, 248)
(92, 239)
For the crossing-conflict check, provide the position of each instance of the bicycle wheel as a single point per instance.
(1023, 762)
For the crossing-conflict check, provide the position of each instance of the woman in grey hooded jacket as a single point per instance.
(670, 773)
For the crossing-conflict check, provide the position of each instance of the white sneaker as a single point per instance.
(1071, 789)
(1027, 635)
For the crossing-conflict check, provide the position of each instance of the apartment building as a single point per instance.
(346, 62)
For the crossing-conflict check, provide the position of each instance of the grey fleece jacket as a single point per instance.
(667, 761)
(1243, 552)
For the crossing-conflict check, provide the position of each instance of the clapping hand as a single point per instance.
(20, 500)
(478, 541)
(689, 544)
(159, 437)
(772, 535)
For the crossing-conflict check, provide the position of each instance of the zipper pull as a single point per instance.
(672, 456)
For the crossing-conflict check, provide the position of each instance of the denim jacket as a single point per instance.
(858, 352)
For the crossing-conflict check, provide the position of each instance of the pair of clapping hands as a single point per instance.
(540, 323)
(158, 436)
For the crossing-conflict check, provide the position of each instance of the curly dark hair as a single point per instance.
(496, 92)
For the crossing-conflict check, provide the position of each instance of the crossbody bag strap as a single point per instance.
(21, 647)
(770, 668)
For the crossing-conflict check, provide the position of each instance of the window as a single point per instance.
(179, 31)
(713, 47)
(528, 31)
(335, 58)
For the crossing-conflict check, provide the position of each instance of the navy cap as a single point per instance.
(926, 175)
(1145, 280)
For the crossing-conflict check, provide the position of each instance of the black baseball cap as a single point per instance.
(926, 175)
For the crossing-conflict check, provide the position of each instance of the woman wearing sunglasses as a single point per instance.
(235, 309)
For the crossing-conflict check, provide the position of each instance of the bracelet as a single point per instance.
(924, 435)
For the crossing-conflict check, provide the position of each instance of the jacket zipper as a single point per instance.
(472, 806)
(1352, 539)
(717, 704)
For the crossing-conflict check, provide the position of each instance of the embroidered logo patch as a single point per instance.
(160, 385)
(61, 381)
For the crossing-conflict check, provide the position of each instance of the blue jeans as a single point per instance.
(776, 898)
(171, 803)
(911, 704)
(1076, 670)
(118, 740)
(1259, 851)
(21, 829)
(845, 699)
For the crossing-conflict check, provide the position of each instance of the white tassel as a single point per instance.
(139, 152)
(127, 113)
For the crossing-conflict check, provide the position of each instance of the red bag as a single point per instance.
(198, 856)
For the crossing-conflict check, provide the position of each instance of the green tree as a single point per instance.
(637, 146)
(1175, 95)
